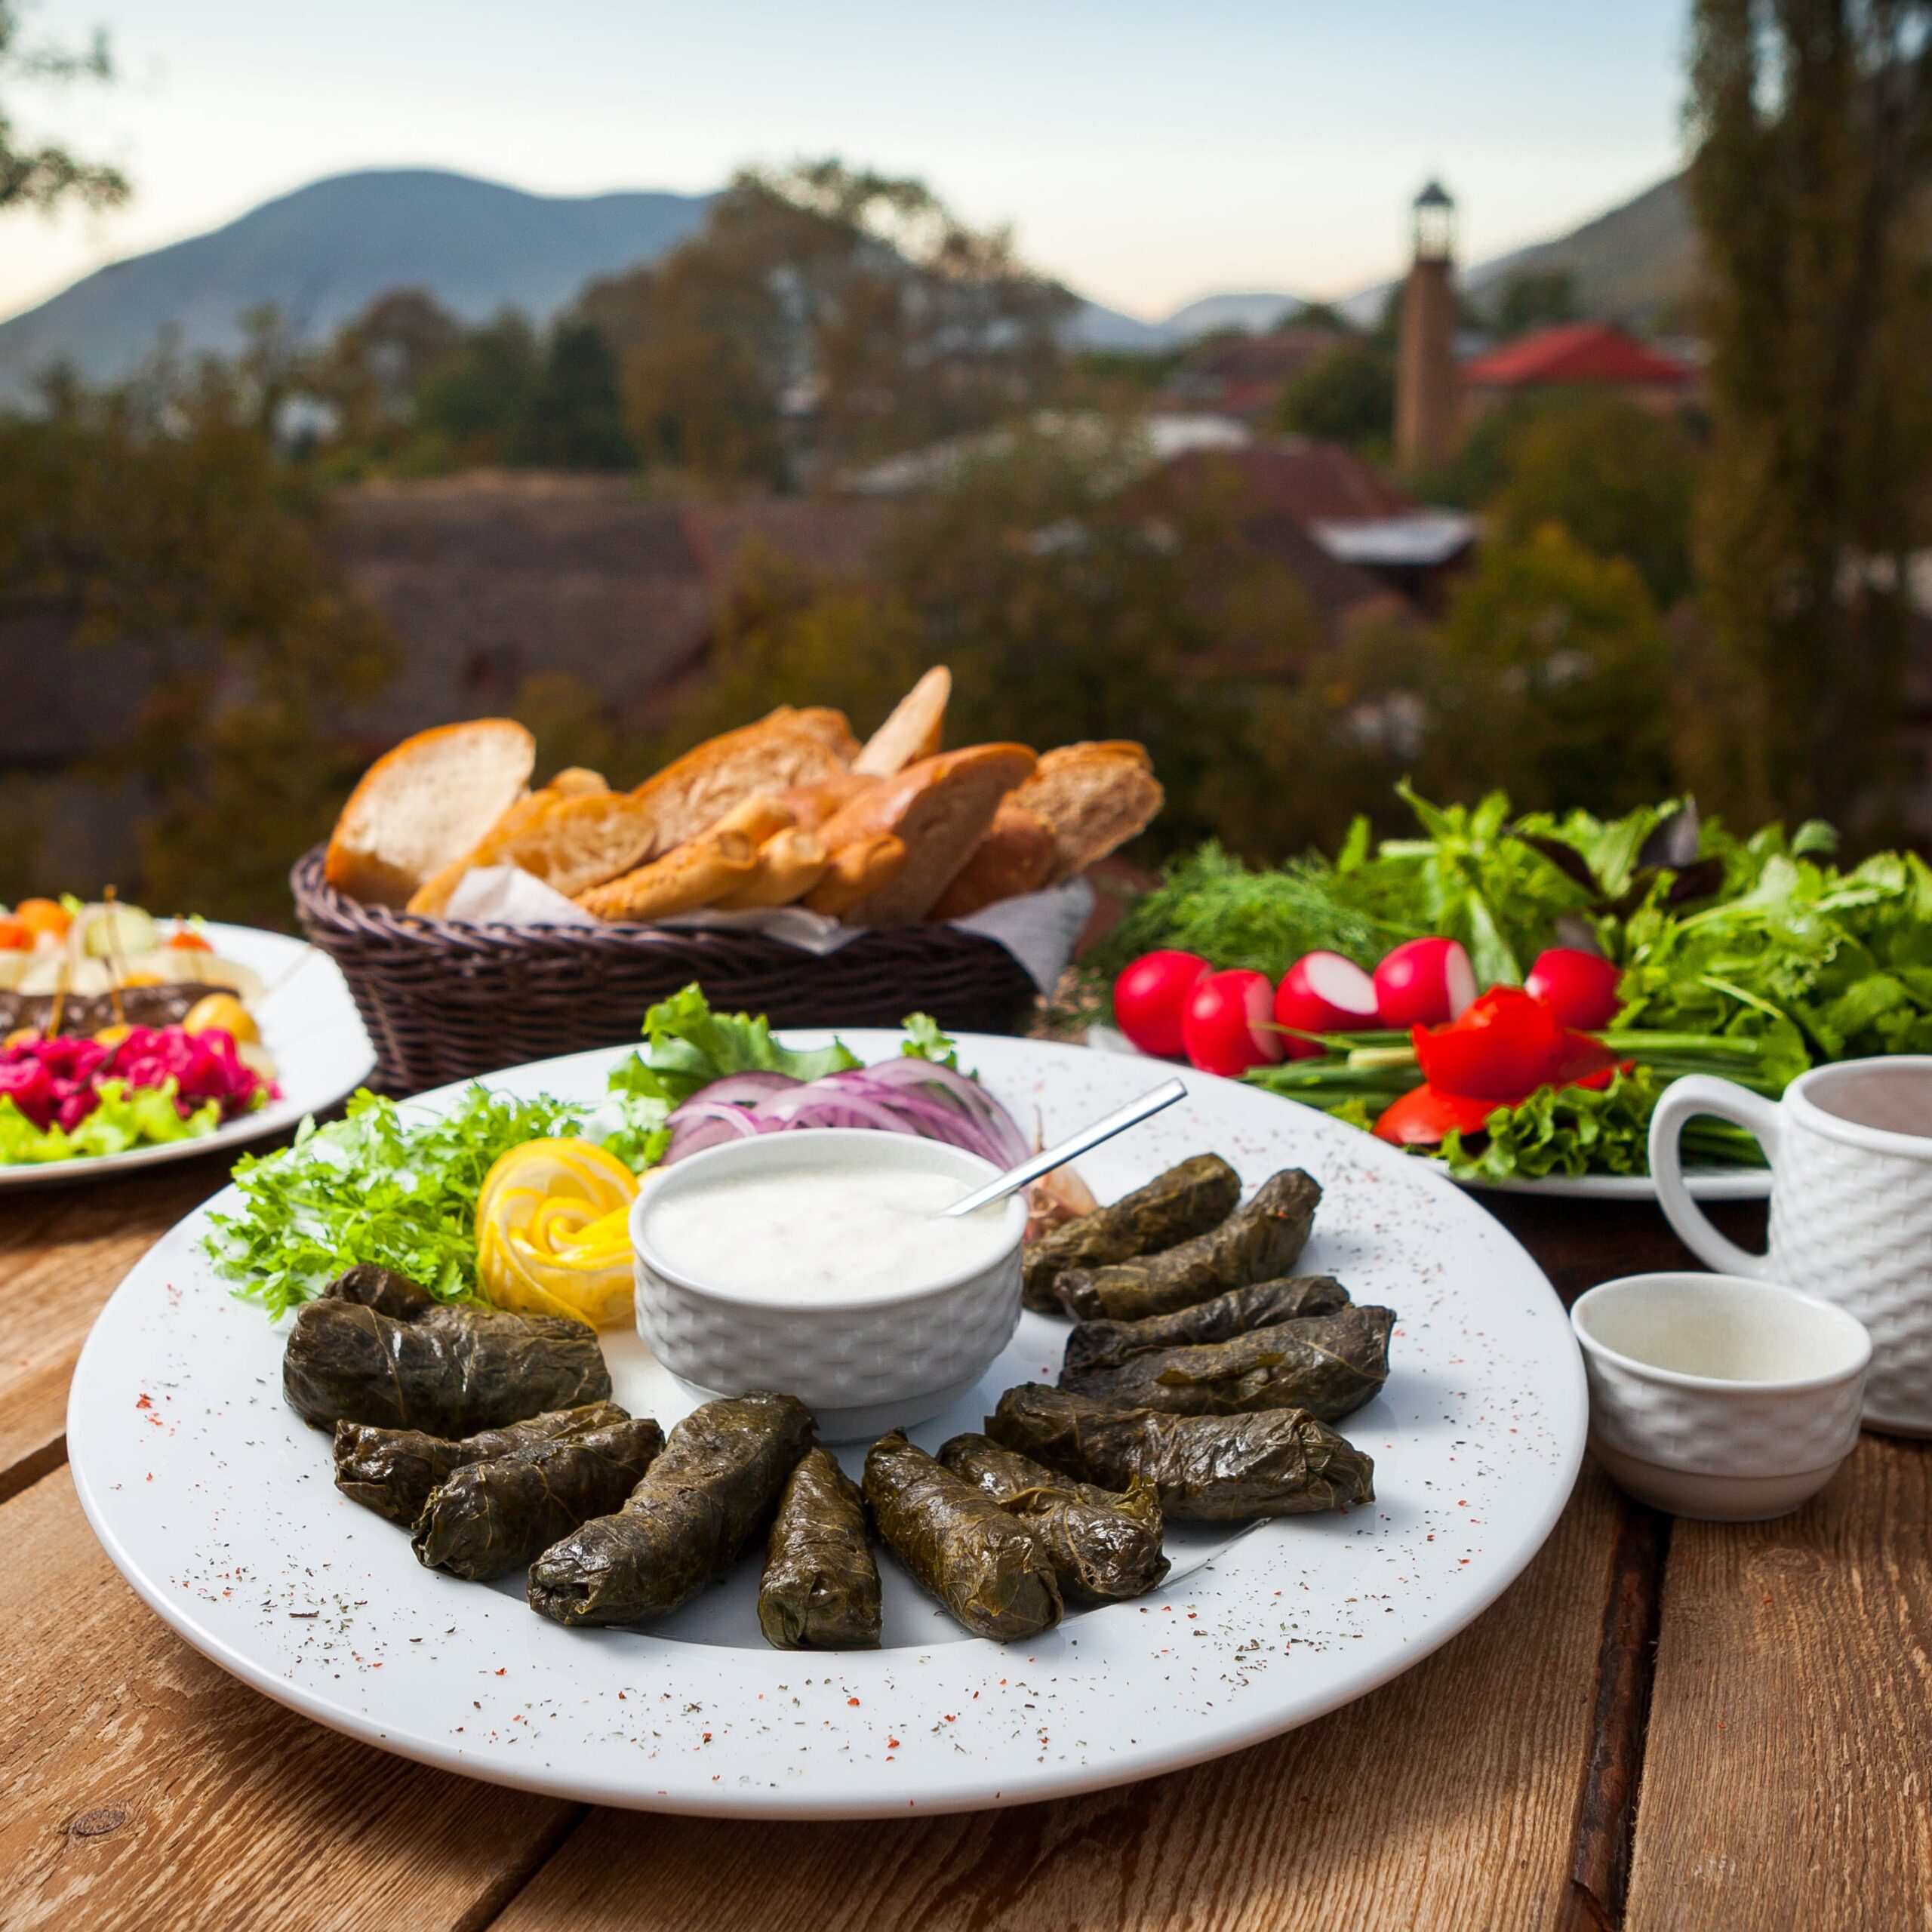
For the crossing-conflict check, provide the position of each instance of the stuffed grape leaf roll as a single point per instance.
(1187, 1200)
(1094, 1345)
(1328, 1365)
(1207, 1468)
(707, 1498)
(989, 1569)
(493, 1516)
(1259, 1240)
(821, 1590)
(392, 1471)
(375, 1348)
(1105, 1547)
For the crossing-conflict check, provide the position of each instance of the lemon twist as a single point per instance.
(553, 1231)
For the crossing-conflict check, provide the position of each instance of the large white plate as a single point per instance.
(309, 1022)
(1704, 1184)
(215, 1502)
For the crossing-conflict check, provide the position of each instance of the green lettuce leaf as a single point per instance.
(123, 1118)
(374, 1186)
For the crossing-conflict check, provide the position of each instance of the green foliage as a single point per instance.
(1346, 396)
(1533, 299)
(49, 175)
(121, 1118)
(1562, 689)
(1813, 126)
(475, 400)
(826, 315)
(1619, 478)
(158, 519)
(573, 420)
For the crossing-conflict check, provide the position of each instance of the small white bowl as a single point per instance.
(1718, 1397)
(862, 1365)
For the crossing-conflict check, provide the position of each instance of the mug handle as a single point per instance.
(1698, 1094)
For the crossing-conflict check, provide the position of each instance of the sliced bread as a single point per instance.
(913, 730)
(1095, 797)
(1015, 856)
(423, 805)
(571, 840)
(699, 789)
(940, 808)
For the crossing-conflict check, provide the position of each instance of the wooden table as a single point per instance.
(1661, 1726)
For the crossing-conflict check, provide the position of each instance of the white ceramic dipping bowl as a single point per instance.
(1717, 1396)
(863, 1365)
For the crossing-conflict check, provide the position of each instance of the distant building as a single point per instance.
(1577, 356)
(1428, 404)
(1244, 378)
(1371, 530)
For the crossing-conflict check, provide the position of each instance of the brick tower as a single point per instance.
(1427, 401)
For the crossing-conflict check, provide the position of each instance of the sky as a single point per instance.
(1145, 153)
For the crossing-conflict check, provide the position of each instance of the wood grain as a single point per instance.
(147, 1789)
(1578, 1244)
(1786, 1782)
(1445, 1800)
(63, 1248)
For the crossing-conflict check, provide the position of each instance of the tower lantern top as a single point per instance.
(1434, 215)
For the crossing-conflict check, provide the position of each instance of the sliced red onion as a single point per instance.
(907, 1095)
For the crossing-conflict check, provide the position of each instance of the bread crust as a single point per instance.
(855, 871)
(699, 788)
(941, 808)
(914, 730)
(1015, 856)
(1095, 796)
(790, 862)
(571, 840)
(695, 875)
(424, 804)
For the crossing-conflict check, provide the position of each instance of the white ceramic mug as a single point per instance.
(1850, 1150)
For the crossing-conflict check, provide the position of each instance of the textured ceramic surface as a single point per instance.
(1781, 1381)
(215, 1502)
(847, 1363)
(1710, 1499)
(1850, 1222)
(309, 1022)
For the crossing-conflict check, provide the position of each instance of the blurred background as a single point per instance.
(1530, 396)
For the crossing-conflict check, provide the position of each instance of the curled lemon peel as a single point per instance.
(553, 1231)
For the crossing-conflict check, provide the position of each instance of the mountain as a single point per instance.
(323, 253)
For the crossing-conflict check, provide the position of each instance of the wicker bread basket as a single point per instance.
(443, 1001)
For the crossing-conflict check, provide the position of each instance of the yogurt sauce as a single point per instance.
(813, 1231)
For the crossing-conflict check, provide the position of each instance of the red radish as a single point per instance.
(1225, 1027)
(1150, 996)
(1579, 987)
(1423, 983)
(1323, 993)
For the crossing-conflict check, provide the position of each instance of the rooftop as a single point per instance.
(1575, 352)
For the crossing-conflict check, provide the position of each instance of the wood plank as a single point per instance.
(1446, 1799)
(1786, 1782)
(147, 1789)
(63, 1249)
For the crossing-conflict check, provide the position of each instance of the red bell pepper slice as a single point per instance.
(1506, 1044)
(1424, 1117)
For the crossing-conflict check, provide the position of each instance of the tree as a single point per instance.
(1533, 299)
(158, 518)
(473, 403)
(574, 420)
(1620, 479)
(1346, 396)
(1556, 678)
(47, 176)
(826, 315)
(1075, 592)
(1813, 125)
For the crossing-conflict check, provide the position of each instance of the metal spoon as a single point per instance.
(1165, 1095)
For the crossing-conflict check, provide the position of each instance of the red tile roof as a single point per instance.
(1575, 353)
